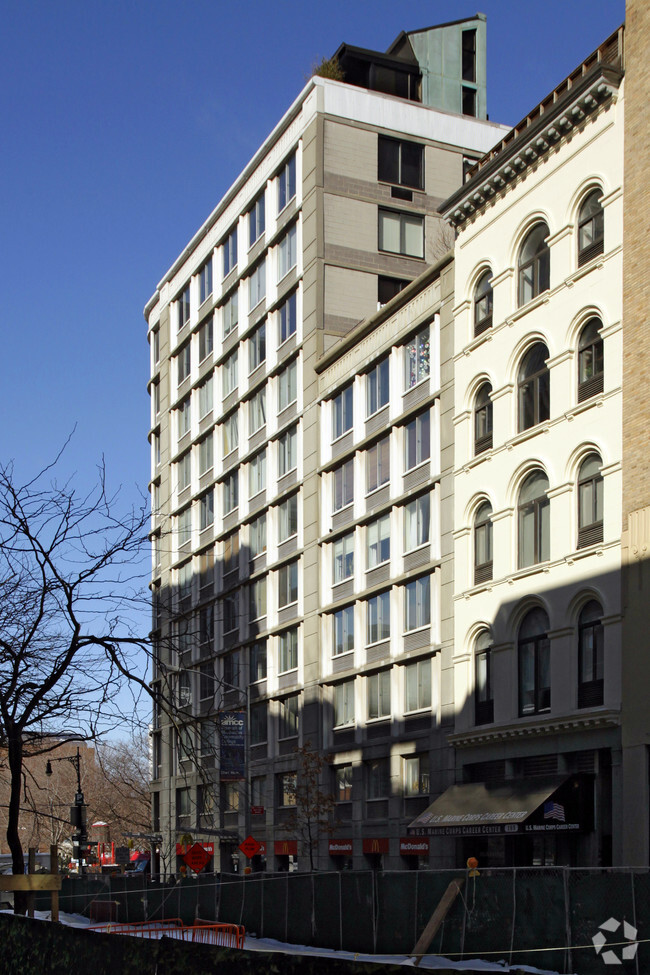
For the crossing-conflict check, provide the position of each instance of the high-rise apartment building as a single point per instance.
(278, 481)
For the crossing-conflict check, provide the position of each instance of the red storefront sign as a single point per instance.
(414, 846)
(257, 810)
(249, 847)
(283, 848)
(197, 858)
(262, 849)
(340, 848)
(375, 844)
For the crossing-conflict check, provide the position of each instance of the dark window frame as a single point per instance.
(538, 645)
(591, 360)
(591, 646)
(533, 266)
(483, 303)
(533, 389)
(392, 167)
(535, 506)
(483, 542)
(591, 223)
(590, 532)
(483, 434)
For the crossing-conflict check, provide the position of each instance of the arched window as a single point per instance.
(483, 419)
(591, 365)
(483, 303)
(483, 697)
(533, 387)
(534, 664)
(590, 656)
(534, 520)
(591, 228)
(483, 543)
(590, 501)
(534, 264)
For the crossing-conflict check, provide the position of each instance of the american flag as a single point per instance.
(553, 810)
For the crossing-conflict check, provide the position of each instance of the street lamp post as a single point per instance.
(78, 811)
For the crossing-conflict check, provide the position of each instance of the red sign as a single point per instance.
(182, 848)
(376, 844)
(257, 810)
(414, 846)
(262, 848)
(283, 848)
(197, 858)
(340, 848)
(250, 847)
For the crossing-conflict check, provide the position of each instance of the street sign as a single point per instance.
(197, 858)
(250, 847)
(122, 854)
(257, 810)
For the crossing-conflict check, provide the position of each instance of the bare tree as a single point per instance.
(71, 589)
(314, 806)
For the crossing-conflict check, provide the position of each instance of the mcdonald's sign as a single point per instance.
(375, 844)
(414, 845)
(340, 848)
(284, 848)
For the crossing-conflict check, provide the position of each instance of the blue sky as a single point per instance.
(123, 124)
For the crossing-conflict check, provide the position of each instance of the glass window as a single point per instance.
(231, 553)
(288, 451)
(483, 419)
(287, 787)
(257, 474)
(206, 455)
(343, 485)
(257, 536)
(591, 656)
(417, 440)
(534, 664)
(342, 412)
(343, 561)
(534, 264)
(417, 603)
(230, 613)
(184, 415)
(229, 373)
(344, 630)
(344, 704)
(288, 385)
(258, 661)
(387, 288)
(377, 387)
(534, 387)
(206, 628)
(288, 518)
(483, 543)
(417, 359)
(378, 465)
(205, 397)
(416, 775)
(257, 285)
(256, 220)
(184, 307)
(205, 281)
(208, 743)
(343, 783)
(231, 492)
(288, 252)
(400, 162)
(184, 526)
(183, 472)
(378, 541)
(183, 808)
(155, 346)
(417, 685)
(483, 694)
(257, 347)
(591, 228)
(230, 314)
(534, 520)
(230, 430)
(206, 507)
(288, 584)
(590, 501)
(206, 572)
(377, 778)
(257, 410)
(289, 718)
(378, 618)
(378, 693)
(183, 363)
(469, 55)
(591, 360)
(206, 340)
(287, 183)
(417, 520)
(232, 669)
(230, 252)
(258, 598)
(259, 714)
(287, 316)
(401, 233)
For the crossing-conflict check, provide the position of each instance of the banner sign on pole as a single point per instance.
(233, 745)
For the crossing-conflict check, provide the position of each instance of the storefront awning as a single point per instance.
(529, 805)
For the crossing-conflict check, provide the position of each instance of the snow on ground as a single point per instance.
(430, 962)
